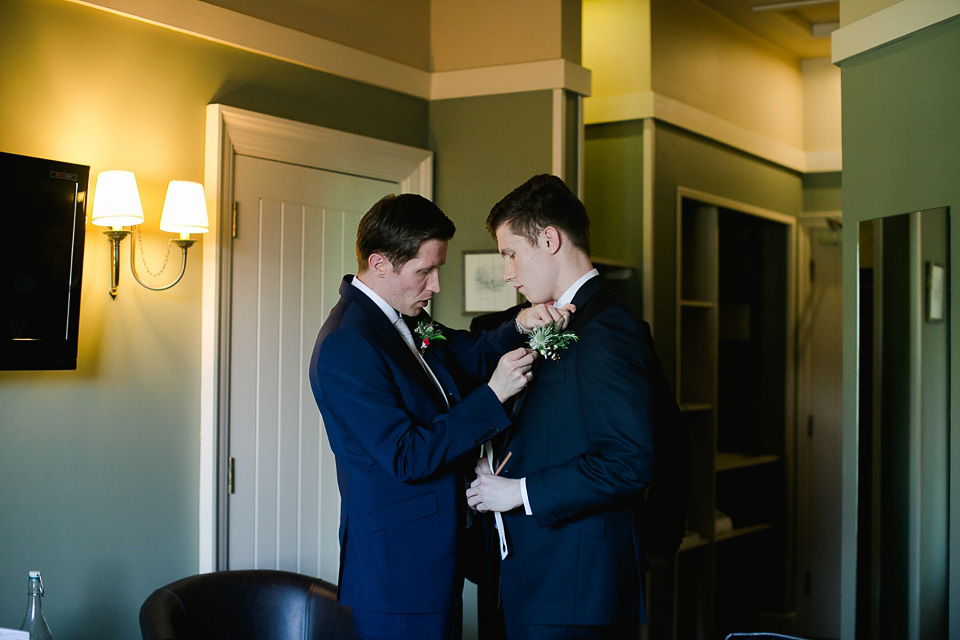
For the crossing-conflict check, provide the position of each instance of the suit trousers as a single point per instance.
(518, 631)
(373, 625)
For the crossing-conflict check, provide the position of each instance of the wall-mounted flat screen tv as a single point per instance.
(43, 209)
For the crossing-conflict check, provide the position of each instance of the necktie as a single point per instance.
(404, 330)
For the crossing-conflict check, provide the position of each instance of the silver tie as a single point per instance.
(408, 338)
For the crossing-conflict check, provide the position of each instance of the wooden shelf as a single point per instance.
(692, 540)
(718, 382)
(727, 461)
(690, 407)
(742, 531)
(698, 304)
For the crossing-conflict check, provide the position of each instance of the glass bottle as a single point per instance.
(33, 621)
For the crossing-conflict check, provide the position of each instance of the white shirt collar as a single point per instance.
(568, 295)
(392, 314)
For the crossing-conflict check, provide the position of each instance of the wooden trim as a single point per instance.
(234, 29)
(649, 184)
(510, 78)
(223, 26)
(727, 203)
(644, 105)
(896, 22)
(231, 131)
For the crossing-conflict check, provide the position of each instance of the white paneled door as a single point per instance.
(295, 235)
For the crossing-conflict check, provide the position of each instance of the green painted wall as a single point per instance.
(613, 190)
(901, 150)
(99, 467)
(485, 148)
(822, 192)
(683, 159)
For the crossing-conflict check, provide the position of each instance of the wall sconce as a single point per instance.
(116, 204)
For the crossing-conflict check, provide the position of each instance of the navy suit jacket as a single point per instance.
(400, 451)
(584, 441)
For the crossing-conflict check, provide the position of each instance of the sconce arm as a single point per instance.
(183, 243)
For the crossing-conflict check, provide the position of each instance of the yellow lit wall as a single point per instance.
(704, 61)
(616, 46)
(466, 34)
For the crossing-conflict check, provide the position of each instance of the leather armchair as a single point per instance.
(246, 605)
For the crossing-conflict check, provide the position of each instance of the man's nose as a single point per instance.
(508, 273)
(433, 282)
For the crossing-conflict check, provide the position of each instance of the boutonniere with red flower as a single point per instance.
(428, 331)
(548, 340)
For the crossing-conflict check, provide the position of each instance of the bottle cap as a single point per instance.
(33, 574)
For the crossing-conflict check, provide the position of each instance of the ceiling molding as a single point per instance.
(233, 29)
(510, 78)
(889, 25)
(642, 105)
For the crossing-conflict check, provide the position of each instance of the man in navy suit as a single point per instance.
(580, 451)
(400, 413)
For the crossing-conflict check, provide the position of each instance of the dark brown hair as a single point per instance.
(540, 202)
(397, 225)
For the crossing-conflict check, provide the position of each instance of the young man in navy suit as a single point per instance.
(580, 451)
(400, 412)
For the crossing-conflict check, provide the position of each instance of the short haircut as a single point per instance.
(397, 225)
(540, 202)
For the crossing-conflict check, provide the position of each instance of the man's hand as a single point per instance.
(541, 314)
(483, 468)
(494, 493)
(512, 373)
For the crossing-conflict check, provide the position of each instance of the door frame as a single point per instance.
(808, 224)
(231, 131)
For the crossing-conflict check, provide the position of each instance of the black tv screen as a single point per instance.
(43, 205)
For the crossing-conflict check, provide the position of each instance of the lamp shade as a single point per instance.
(184, 208)
(116, 202)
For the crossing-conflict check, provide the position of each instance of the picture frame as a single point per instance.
(484, 289)
(936, 290)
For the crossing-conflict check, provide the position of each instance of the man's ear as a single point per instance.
(551, 238)
(377, 264)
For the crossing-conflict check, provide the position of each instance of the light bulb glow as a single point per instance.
(116, 202)
(184, 209)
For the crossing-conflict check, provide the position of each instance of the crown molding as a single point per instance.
(648, 104)
(233, 29)
(510, 78)
(889, 25)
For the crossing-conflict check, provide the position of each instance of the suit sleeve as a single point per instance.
(362, 395)
(616, 400)
(477, 354)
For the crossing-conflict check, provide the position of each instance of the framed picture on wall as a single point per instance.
(483, 287)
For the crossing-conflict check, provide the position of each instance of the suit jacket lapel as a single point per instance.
(580, 300)
(436, 365)
(389, 332)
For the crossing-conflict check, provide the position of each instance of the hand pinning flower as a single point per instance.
(548, 340)
(428, 331)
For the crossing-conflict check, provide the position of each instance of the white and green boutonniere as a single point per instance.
(548, 340)
(428, 331)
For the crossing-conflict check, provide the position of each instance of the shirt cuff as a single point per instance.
(523, 494)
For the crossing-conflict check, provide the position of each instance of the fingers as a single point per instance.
(483, 468)
(494, 493)
(511, 374)
(474, 501)
(542, 314)
(565, 313)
